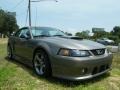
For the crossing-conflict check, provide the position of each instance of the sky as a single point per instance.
(69, 15)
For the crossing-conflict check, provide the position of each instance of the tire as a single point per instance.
(41, 64)
(9, 52)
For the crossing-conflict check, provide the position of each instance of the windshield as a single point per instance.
(46, 31)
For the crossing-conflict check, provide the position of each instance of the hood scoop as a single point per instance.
(73, 37)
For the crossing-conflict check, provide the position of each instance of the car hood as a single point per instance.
(73, 43)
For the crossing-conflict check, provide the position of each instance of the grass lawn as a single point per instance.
(16, 76)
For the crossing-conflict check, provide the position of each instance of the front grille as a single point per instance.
(100, 69)
(98, 51)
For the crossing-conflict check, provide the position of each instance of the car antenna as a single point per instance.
(29, 12)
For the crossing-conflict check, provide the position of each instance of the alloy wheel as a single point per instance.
(39, 64)
(9, 52)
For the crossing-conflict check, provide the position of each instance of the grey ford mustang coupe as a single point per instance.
(51, 52)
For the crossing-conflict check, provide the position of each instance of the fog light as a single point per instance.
(84, 70)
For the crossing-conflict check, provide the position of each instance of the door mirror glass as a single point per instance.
(22, 36)
(25, 36)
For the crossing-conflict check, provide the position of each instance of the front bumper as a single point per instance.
(80, 68)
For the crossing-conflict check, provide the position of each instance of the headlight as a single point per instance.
(74, 53)
(64, 52)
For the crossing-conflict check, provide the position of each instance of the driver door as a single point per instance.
(21, 44)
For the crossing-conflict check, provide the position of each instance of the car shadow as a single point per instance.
(58, 81)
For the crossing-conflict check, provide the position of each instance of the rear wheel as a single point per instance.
(41, 63)
(9, 52)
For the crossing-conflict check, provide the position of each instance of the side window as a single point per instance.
(17, 34)
(24, 33)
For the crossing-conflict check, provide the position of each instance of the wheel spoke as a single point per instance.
(38, 58)
(42, 69)
(39, 64)
(42, 57)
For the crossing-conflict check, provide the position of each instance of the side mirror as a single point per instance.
(25, 37)
(22, 36)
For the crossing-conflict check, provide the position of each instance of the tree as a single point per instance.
(115, 34)
(8, 23)
(116, 31)
(2, 20)
(99, 33)
(83, 34)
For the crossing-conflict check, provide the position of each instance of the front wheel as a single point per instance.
(41, 64)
